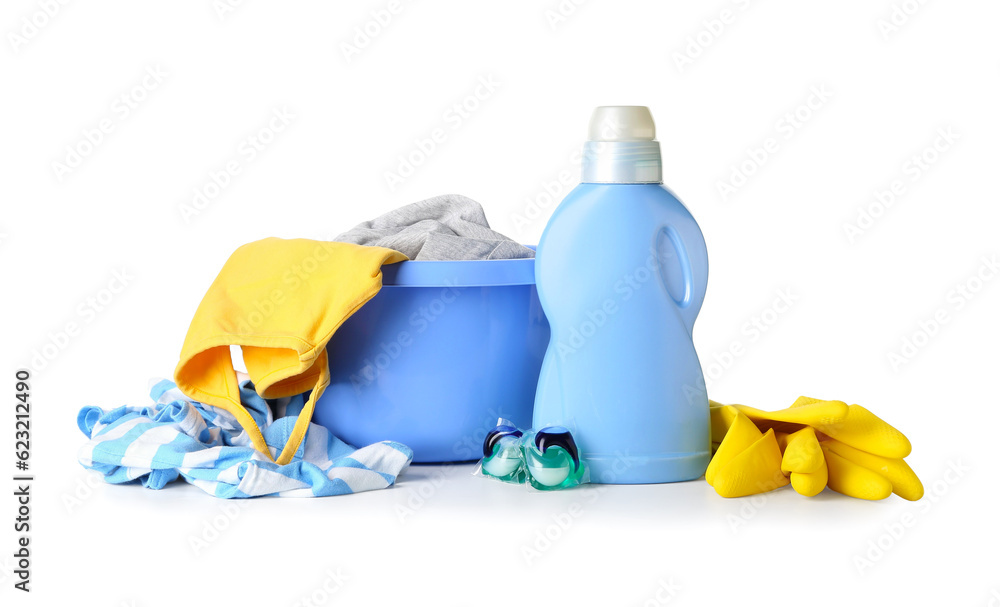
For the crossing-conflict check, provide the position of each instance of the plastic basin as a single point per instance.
(443, 350)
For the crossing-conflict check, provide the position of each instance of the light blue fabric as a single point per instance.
(177, 437)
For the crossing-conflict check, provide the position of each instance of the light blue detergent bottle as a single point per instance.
(621, 270)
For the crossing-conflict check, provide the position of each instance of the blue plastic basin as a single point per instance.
(443, 350)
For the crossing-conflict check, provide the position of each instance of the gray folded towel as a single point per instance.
(449, 227)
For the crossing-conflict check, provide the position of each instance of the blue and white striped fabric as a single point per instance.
(178, 437)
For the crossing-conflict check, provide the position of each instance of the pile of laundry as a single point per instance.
(236, 435)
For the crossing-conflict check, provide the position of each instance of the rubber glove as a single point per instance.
(821, 443)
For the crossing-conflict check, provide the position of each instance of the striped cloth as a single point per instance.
(178, 437)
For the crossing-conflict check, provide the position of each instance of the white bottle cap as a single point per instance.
(622, 146)
(622, 123)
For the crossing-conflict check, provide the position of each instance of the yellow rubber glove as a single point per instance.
(820, 443)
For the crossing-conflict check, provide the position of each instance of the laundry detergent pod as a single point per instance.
(502, 453)
(553, 459)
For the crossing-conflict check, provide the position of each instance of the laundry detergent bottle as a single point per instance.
(621, 271)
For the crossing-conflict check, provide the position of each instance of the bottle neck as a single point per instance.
(622, 162)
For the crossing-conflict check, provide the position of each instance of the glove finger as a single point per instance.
(905, 482)
(854, 480)
(741, 435)
(863, 430)
(810, 483)
(803, 453)
(756, 470)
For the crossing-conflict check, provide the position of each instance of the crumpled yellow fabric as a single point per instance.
(813, 444)
(281, 301)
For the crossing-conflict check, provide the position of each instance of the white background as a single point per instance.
(725, 90)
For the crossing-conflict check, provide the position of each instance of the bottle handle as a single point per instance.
(686, 278)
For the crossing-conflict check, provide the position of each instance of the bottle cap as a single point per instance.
(622, 123)
(622, 146)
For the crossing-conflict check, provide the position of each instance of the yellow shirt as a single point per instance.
(280, 301)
